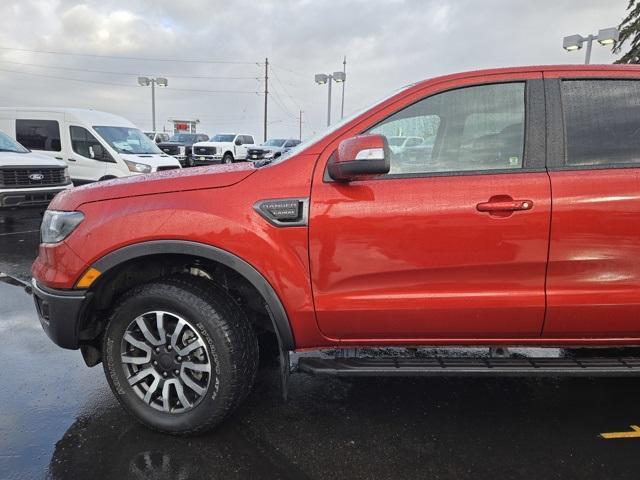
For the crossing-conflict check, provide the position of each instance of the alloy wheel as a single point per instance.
(166, 361)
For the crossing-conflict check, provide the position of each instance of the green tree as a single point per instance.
(630, 32)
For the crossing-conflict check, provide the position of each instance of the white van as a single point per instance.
(95, 145)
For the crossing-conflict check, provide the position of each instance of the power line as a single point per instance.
(118, 57)
(289, 70)
(124, 84)
(275, 75)
(111, 72)
(278, 101)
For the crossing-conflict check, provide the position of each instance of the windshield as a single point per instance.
(8, 144)
(127, 140)
(274, 142)
(183, 138)
(150, 135)
(222, 138)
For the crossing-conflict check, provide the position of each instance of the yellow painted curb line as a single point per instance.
(634, 433)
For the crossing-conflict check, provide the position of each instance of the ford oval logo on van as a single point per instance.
(36, 177)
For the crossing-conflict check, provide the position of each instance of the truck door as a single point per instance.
(453, 242)
(594, 257)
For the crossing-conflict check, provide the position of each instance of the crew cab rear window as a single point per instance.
(469, 129)
(39, 134)
(602, 122)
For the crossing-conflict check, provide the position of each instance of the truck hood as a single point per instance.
(178, 180)
(30, 159)
(214, 144)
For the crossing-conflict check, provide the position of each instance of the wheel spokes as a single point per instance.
(141, 375)
(136, 360)
(197, 343)
(198, 367)
(191, 384)
(152, 389)
(176, 333)
(150, 353)
(142, 325)
(137, 343)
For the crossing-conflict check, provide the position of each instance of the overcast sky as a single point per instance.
(388, 44)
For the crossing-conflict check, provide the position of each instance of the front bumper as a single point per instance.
(60, 313)
(29, 197)
(206, 159)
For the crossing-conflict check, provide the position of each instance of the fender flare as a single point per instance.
(274, 306)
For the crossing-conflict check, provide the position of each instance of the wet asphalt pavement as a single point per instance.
(58, 418)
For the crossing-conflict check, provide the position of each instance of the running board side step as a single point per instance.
(480, 367)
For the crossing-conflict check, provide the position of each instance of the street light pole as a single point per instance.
(344, 70)
(329, 101)
(145, 82)
(153, 103)
(587, 53)
(605, 36)
(300, 127)
(322, 78)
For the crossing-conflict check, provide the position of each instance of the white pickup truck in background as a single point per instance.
(222, 148)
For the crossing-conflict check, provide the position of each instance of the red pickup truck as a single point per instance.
(513, 220)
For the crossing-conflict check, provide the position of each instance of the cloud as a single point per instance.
(387, 43)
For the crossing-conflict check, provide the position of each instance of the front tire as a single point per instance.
(179, 354)
(227, 158)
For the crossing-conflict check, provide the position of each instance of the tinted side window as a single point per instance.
(602, 122)
(83, 142)
(39, 134)
(248, 139)
(468, 129)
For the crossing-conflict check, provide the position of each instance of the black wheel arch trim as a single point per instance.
(275, 308)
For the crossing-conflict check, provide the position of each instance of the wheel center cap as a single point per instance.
(165, 360)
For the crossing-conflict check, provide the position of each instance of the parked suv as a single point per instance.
(271, 149)
(222, 148)
(180, 146)
(520, 227)
(28, 179)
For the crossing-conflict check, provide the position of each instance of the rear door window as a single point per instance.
(602, 122)
(39, 134)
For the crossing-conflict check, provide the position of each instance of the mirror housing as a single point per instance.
(96, 151)
(238, 141)
(359, 158)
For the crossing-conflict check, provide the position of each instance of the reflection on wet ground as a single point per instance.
(58, 419)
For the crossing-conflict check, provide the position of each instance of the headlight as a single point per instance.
(269, 154)
(138, 167)
(57, 225)
(67, 178)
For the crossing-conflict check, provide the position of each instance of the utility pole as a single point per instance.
(300, 128)
(329, 102)
(344, 70)
(266, 93)
(153, 103)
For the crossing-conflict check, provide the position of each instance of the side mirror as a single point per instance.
(96, 151)
(360, 157)
(238, 141)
